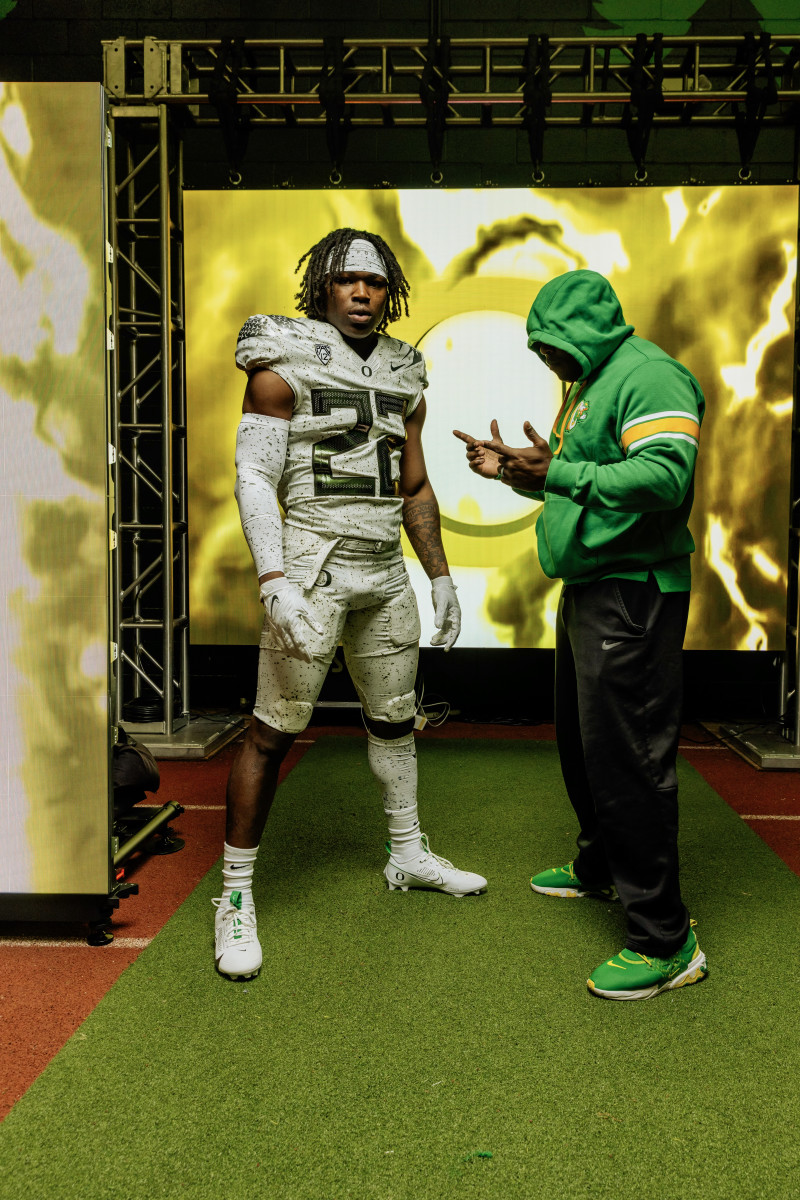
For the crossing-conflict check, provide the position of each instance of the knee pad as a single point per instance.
(401, 708)
(397, 709)
(288, 716)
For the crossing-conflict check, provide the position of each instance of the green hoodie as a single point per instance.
(619, 488)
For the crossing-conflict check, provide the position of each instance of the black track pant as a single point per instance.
(618, 714)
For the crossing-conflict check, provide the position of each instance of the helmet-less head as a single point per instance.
(353, 280)
(357, 292)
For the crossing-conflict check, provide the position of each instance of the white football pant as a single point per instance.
(362, 597)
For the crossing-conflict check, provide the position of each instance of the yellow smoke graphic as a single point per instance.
(707, 273)
(54, 825)
(747, 400)
(501, 234)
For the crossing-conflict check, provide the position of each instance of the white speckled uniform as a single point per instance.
(341, 538)
(347, 427)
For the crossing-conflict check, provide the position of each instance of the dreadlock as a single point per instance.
(326, 259)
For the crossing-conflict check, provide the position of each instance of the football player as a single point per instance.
(331, 430)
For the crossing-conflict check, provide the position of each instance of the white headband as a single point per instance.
(362, 256)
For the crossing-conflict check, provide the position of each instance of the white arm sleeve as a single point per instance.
(260, 455)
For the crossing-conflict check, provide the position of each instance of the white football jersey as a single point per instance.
(348, 423)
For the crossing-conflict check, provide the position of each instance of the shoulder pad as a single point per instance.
(275, 325)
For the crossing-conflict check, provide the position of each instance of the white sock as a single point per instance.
(237, 872)
(404, 833)
(394, 765)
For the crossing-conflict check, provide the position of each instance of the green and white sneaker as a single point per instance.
(562, 881)
(237, 948)
(632, 976)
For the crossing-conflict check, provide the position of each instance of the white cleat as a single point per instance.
(237, 949)
(428, 870)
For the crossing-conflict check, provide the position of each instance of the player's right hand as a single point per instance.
(288, 616)
(481, 460)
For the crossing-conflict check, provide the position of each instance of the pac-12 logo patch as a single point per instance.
(323, 353)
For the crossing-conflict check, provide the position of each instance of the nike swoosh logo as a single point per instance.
(607, 645)
(407, 362)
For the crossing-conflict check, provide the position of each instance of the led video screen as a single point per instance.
(54, 628)
(707, 273)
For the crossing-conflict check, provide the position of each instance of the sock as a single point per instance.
(237, 872)
(394, 765)
(404, 833)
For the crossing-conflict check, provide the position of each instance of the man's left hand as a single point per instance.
(525, 467)
(446, 612)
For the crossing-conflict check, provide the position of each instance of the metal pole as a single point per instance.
(165, 814)
(133, 401)
(167, 641)
(180, 383)
(116, 601)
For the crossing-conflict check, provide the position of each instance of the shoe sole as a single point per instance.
(575, 893)
(239, 974)
(432, 887)
(696, 971)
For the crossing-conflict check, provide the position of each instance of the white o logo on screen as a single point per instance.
(479, 367)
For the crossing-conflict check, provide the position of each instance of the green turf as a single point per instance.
(395, 1040)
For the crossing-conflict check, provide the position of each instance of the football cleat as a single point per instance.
(237, 949)
(429, 870)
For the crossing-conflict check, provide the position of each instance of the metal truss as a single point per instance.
(150, 605)
(156, 87)
(584, 80)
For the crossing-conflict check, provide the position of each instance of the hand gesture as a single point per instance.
(288, 616)
(524, 467)
(482, 461)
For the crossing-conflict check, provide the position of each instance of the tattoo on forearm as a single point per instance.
(422, 524)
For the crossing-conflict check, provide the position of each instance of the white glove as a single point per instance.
(446, 612)
(287, 616)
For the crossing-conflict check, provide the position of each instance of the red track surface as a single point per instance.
(51, 980)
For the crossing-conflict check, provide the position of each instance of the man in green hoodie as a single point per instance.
(616, 479)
